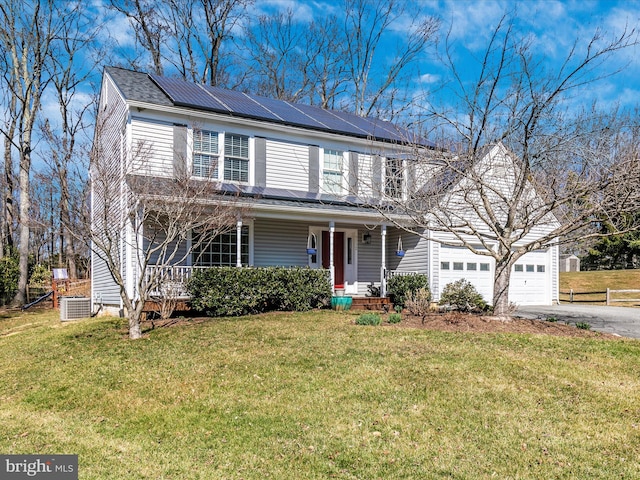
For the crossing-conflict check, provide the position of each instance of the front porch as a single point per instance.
(170, 282)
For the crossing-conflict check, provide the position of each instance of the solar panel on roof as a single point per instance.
(332, 122)
(278, 111)
(188, 94)
(290, 114)
(241, 104)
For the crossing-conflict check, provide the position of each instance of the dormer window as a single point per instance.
(332, 168)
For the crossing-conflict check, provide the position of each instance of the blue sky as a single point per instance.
(552, 25)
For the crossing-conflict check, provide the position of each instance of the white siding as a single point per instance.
(280, 243)
(287, 165)
(416, 255)
(107, 187)
(152, 150)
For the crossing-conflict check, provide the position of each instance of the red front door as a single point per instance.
(338, 255)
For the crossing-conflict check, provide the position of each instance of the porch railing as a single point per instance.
(398, 273)
(170, 280)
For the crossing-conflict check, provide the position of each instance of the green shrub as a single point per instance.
(231, 291)
(400, 286)
(394, 318)
(462, 295)
(9, 275)
(368, 319)
(40, 275)
(583, 326)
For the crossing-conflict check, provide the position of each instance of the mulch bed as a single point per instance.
(463, 322)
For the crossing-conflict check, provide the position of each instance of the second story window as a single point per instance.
(332, 171)
(205, 153)
(236, 158)
(394, 176)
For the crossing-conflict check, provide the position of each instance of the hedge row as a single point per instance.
(230, 291)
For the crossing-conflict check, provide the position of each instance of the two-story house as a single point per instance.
(305, 173)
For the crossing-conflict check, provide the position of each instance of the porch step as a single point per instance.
(372, 303)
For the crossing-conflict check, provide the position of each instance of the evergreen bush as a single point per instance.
(400, 287)
(232, 291)
(461, 295)
(9, 275)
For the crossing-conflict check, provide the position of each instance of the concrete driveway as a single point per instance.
(623, 321)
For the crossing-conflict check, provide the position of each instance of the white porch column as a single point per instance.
(383, 263)
(239, 244)
(332, 270)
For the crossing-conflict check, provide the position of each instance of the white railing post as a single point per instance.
(383, 263)
(239, 244)
(332, 229)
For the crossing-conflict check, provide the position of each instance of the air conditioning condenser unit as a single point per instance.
(72, 308)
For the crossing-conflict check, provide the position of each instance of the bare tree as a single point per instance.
(8, 183)
(73, 65)
(294, 61)
(340, 61)
(221, 16)
(151, 217)
(26, 35)
(523, 167)
(280, 57)
(146, 19)
(374, 74)
(188, 35)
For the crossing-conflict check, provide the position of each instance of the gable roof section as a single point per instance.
(164, 91)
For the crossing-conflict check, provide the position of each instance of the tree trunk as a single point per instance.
(133, 310)
(134, 325)
(7, 217)
(501, 281)
(23, 249)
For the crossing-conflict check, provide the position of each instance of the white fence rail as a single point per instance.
(170, 280)
(610, 294)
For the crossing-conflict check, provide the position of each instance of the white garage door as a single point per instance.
(530, 277)
(459, 262)
(531, 280)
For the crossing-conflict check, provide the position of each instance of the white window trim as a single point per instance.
(247, 223)
(221, 157)
(403, 171)
(342, 171)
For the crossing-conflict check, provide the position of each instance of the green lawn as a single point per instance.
(297, 396)
(599, 281)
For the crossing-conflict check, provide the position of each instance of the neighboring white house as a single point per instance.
(303, 170)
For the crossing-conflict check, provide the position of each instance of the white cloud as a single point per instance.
(429, 78)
